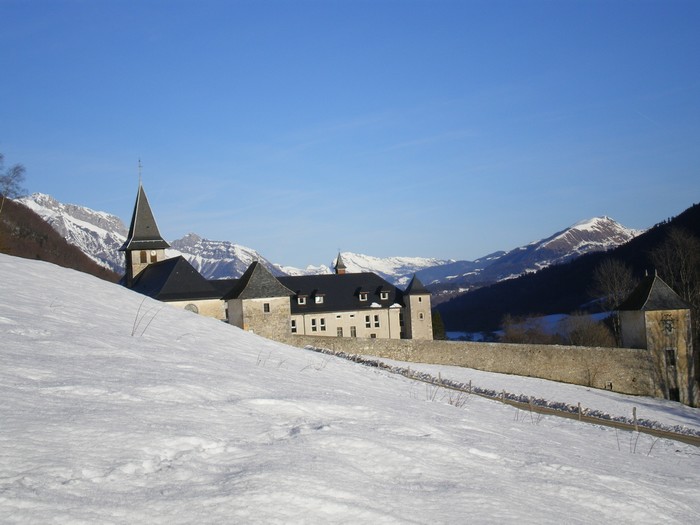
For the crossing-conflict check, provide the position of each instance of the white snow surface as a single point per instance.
(120, 409)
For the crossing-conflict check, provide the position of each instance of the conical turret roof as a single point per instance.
(653, 294)
(143, 231)
(415, 287)
(340, 264)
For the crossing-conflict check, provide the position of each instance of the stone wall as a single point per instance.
(624, 370)
(266, 317)
(206, 307)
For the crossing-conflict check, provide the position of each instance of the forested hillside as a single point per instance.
(24, 234)
(558, 289)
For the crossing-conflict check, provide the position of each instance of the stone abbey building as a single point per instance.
(337, 305)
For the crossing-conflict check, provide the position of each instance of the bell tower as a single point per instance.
(144, 244)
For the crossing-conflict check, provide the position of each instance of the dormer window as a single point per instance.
(318, 299)
(384, 296)
(363, 296)
(301, 300)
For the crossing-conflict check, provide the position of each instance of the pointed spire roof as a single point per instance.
(257, 282)
(340, 265)
(415, 287)
(143, 231)
(653, 294)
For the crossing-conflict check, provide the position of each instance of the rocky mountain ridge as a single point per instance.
(100, 235)
(592, 235)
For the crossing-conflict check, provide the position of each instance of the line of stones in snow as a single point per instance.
(503, 395)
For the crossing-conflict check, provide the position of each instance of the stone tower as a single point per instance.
(418, 322)
(656, 318)
(144, 244)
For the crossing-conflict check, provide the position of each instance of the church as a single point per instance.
(342, 304)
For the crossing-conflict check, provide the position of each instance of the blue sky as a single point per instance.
(412, 128)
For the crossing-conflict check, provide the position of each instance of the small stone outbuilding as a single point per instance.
(655, 317)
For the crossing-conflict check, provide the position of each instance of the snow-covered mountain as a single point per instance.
(217, 259)
(98, 234)
(178, 418)
(309, 270)
(592, 235)
(397, 270)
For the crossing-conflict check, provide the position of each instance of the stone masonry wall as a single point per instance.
(624, 370)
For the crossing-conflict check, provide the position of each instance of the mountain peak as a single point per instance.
(595, 234)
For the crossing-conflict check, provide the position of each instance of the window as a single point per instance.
(363, 296)
(301, 300)
(266, 308)
(294, 326)
(670, 357)
(373, 336)
(323, 324)
(420, 299)
(338, 316)
(667, 323)
(368, 322)
(376, 321)
(384, 296)
(420, 316)
(192, 308)
(313, 325)
(353, 331)
(339, 331)
(144, 257)
(318, 299)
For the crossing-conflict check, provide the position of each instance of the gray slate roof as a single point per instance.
(143, 231)
(415, 287)
(653, 294)
(172, 280)
(257, 282)
(340, 264)
(340, 292)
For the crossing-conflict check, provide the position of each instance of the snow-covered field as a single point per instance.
(116, 410)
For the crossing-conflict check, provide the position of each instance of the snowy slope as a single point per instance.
(119, 409)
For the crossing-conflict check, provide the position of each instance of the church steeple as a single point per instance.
(340, 267)
(144, 244)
